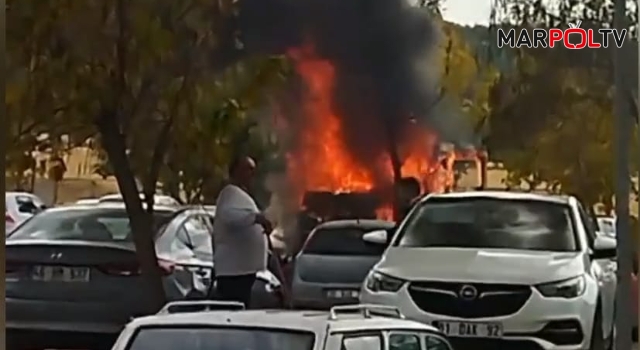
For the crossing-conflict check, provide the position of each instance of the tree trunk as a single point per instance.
(141, 222)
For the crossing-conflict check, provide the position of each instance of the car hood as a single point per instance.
(480, 265)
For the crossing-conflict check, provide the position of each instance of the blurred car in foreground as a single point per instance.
(75, 269)
(20, 206)
(353, 327)
(334, 262)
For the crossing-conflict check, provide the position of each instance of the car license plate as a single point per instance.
(342, 293)
(470, 329)
(60, 274)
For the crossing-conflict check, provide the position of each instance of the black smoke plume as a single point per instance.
(381, 50)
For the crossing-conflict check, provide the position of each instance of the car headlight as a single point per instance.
(378, 282)
(568, 288)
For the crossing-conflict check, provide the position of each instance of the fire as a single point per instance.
(322, 162)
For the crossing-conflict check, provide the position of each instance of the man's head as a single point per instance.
(242, 170)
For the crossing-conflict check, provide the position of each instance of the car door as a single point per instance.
(604, 270)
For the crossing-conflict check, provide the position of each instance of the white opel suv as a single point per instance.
(495, 269)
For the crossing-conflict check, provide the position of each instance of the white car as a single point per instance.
(87, 201)
(355, 327)
(19, 207)
(158, 199)
(607, 225)
(501, 269)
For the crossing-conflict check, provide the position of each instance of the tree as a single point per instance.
(550, 119)
(117, 66)
(146, 80)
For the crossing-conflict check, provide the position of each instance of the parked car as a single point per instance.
(19, 207)
(158, 199)
(74, 269)
(500, 269)
(334, 262)
(353, 327)
(607, 225)
(87, 201)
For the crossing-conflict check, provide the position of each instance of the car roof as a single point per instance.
(156, 197)
(15, 194)
(106, 205)
(297, 320)
(506, 195)
(365, 224)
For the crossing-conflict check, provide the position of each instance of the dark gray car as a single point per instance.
(73, 279)
(334, 262)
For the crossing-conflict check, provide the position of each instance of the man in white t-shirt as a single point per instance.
(240, 234)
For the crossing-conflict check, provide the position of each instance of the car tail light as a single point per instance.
(166, 266)
(130, 269)
(8, 218)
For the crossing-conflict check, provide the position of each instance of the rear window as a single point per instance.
(83, 224)
(489, 223)
(220, 339)
(27, 205)
(342, 241)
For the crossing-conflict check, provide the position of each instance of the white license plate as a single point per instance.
(470, 329)
(342, 293)
(60, 274)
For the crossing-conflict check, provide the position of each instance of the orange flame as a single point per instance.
(322, 162)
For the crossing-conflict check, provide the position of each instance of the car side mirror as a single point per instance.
(376, 237)
(604, 248)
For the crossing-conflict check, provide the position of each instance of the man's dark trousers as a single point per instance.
(236, 288)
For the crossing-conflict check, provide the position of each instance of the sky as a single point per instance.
(467, 12)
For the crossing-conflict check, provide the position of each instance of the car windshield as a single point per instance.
(342, 241)
(83, 224)
(227, 338)
(489, 223)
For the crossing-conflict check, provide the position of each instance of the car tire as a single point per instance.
(597, 335)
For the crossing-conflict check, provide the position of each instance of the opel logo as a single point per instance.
(468, 292)
(56, 256)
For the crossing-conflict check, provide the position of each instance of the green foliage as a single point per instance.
(551, 120)
(151, 82)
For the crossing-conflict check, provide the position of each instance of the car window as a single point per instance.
(97, 224)
(191, 239)
(486, 222)
(588, 225)
(198, 232)
(341, 241)
(433, 342)
(404, 341)
(362, 342)
(27, 205)
(607, 226)
(227, 338)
